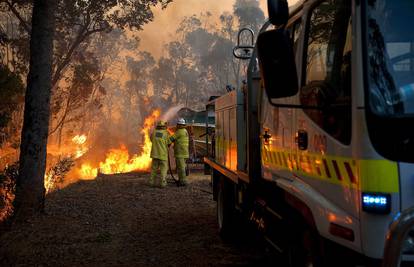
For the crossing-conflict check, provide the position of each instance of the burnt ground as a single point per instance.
(118, 220)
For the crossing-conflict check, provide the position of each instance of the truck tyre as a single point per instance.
(226, 212)
(305, 250)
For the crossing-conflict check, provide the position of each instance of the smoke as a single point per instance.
(171, 113)
(162, 29)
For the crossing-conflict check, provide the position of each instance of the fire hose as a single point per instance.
(177, 182)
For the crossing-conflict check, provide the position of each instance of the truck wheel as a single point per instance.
(226, 211)
(305, 252)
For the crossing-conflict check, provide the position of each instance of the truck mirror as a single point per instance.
(277, 63)
(278, 12)
(244, 51)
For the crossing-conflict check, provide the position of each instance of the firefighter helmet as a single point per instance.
(161, 124)
(181, 121)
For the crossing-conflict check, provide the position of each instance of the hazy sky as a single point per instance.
(162, 29)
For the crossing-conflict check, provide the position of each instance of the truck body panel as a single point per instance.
(324, 157)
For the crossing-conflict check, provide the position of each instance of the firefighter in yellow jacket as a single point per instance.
(181, 141)
(160, 139)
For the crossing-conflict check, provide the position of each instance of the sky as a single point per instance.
(162, 29)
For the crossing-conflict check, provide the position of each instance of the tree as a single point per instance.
(138, 86)
(11, 92)
(249, 14)
(78, 22)
(30, 189)
(163, 81)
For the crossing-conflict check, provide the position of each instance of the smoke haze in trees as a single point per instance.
(115, 78)
(162, 29)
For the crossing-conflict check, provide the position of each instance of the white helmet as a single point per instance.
(181, 121)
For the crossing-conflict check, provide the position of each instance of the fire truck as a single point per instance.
(316, 148)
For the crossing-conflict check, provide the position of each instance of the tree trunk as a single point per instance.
(30, 190)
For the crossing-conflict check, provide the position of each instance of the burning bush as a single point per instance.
(7, 186)
(56, 175)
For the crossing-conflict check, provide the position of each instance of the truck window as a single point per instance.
(391, 57)
(297, 28)
(328, 68)
(294, 31)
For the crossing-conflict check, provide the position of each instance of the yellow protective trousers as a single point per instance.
(181, 169)
(162, 166)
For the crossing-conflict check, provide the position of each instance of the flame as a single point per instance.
(87, 171)
(48, 182)
(170, 131)
(7, 194)
(119, 160)
(79, 151)
(79, 139)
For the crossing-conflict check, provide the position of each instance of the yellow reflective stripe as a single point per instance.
(379, 176)
(366, 175)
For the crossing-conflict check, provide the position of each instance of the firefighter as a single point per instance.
(160, 139)
(181, 141)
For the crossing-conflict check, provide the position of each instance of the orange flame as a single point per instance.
(119, 161)
(170, 131)
(81, 149)
(48, 182)
(87, 171)
(79, 139)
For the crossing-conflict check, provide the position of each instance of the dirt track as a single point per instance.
(119, 221)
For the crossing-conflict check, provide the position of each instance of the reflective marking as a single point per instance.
(318, 170)
(280, 158)
(350, 173)
(325, 164)
(336, 167)
(285, 161)
(274, 157)
(373, 175)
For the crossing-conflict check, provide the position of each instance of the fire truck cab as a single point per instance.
(316, 149)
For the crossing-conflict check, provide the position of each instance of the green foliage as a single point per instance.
(11, 93)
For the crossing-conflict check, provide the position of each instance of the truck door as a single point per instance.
(323, 124)
(277, 124)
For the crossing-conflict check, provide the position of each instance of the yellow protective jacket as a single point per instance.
(181, 141)
(160, 139)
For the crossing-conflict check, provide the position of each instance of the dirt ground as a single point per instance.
(118, 220)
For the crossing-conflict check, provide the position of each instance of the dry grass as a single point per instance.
(119, 221)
